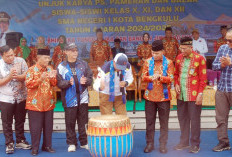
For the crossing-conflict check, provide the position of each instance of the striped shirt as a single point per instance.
(225, 83)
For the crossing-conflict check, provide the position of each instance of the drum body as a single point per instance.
(110, 136)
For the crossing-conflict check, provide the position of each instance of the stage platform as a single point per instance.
(137, 117)
(208, 141)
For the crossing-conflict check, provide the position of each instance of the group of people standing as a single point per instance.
(189, 75)
(27, 86)
(27, 81)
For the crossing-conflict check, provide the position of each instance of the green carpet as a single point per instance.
(140, 106)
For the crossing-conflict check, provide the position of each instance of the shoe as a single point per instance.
(34, 152)
(71, 148)
(10, 148)
(194, 149)
(149, 148)
(221, 147)
(163, 149)
(48, 149)
(23, 145)
(181, 146)
(85, 146)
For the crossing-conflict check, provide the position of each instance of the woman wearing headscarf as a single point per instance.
(143, 52)
(23, 51)
(39, 45)
(59, 55)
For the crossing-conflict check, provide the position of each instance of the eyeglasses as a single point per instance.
(229, 41)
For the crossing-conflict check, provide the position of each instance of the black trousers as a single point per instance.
(189, 116)
(151, 109)
(38, 122)
(77, 114)
(8, 112)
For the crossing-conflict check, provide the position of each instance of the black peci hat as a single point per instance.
(157, 45)
(43, 52)
(117, 40)
(186, 41)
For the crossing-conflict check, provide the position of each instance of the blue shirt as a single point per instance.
(225, 83)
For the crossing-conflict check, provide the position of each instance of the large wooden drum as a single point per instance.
(110, 136)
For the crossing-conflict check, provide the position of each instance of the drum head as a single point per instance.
(109, 121)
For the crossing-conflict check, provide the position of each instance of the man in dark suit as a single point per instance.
(117, 49)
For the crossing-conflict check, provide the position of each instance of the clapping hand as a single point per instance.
(44, 76)
(13, 73)
(52, 74)
(225, 61)
(71, 81)
(156, 76)
(83, 80)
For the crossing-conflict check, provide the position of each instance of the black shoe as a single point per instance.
(48, 149)
(149, 148)
(221, 147)
(181, 147)
(194, 149)
(10, 148)
(163, 149)
(34, 152)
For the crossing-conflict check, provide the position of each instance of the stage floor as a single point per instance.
(208, 138)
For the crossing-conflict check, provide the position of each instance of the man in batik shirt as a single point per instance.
(171, 45)
(158, 73)
(100, 51)
(40, 80)
(221, 41)
(190, 81)
(13, 96)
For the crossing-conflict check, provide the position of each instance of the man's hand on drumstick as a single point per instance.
(122, 84)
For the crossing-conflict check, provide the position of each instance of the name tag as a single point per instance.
(191, 71)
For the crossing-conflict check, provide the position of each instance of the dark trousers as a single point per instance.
(223, 103)
(8, 112)
(189, 115)
(77, 114)
(38, 122)
(151, 109)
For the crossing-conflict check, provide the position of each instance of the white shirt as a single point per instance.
(3, 39)
(200, 45)
(14, 90)
(128, 77)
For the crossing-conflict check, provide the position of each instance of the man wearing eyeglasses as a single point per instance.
(223, 97)
(190, 81)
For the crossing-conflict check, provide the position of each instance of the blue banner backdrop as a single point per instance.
(127, 19)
